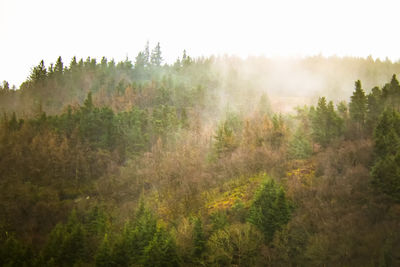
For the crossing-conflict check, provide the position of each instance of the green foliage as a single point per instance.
(299, 146)
(386, 176)
(199, 239)
(131, 245)
(13, 252)
(236, 245)
(67, 243)
(326, 124)
(270, 210)
(219, 220)
(161, 250)
(226, 137)
(358, 105)
(386, 170)
(103, 256)
(277, 136)
(386, 134)
(39, 73)
(87, 137)
(374, 107)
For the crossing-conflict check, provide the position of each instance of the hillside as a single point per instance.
(216, 161)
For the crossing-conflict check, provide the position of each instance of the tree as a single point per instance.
(146, 54)
(59, 67)
(270, 210)
(156, 58)
(5, 87)
(386, 176)
(161, 251)
(130, 248)
(39, 73)
(104, 254)
(386, 134)
(235, 245)
(375, 107)
(225, 141)
(326, 124)
(358, 107)
(299, 146)
(386, 170)
(199, 239)
(67, 243)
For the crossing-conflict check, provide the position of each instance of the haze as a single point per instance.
(35, 30)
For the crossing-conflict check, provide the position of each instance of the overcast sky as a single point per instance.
(45, 29)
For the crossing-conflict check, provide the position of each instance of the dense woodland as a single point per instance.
(142, 163)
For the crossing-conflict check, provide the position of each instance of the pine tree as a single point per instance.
(103, 256)
(299, 146)
(386, 176)
(161, 251)
(270, 210)
(375, 107)
(156, 58)
(358, 107)
(225, 141)
(386, 170)
(39, 73)
(199, 239)
(386, 134)
(326, 124)
(59, 67)
(146, 54)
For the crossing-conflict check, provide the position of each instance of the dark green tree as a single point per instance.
(103, 256)
(326, 124)
(39, 73)
(375, 106)
(386, 169)
(270, 210)
(358, 107)
(59, 67)
(161, 251)
(199, 240)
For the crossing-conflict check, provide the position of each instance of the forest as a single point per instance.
(209, 161)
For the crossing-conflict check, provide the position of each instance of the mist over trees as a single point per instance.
(196, 163)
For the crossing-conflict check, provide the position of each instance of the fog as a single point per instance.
(295, 81)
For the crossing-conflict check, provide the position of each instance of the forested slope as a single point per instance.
(189, 164)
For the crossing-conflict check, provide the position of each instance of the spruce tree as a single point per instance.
(386, 170)
(358, 107)
(156, 58)
(270, 209)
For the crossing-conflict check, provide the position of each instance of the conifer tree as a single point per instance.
(358, 107)
(270, 210)
(326, 124)
(156, 58)
(103, 256)
(39, 73)
(375, 107)
(199, 239)
(59, 67)
(386, 170)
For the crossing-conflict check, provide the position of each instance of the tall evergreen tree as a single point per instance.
(326, 124)
(375, 107)
(59, 67)
(386, 170)
(358, 107)
(156, 58)
(270, 209)
(39, 73)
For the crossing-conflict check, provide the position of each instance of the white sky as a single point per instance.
(45, 29)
